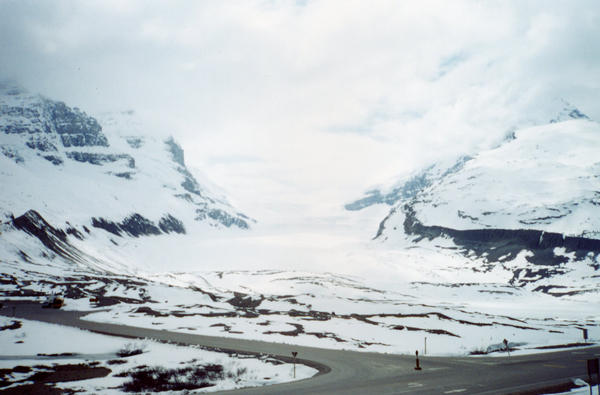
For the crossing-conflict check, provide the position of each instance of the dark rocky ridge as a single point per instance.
(74, 127)
(496, 243)
(223, 217)
(176, 151)
(45, 129)
(500, 245)
(34, 224)
(428, 175)
(191, 185)
(56, 239)
(52, 238)
(169, 224)
(55, 160)
(409, 189)
(100, 159)
(41, 143)
(136, 225)
(12, 153)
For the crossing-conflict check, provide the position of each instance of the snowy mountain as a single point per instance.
(98, 211)
(81, 185)
(530, 206)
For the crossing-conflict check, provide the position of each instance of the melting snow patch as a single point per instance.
(111, 365)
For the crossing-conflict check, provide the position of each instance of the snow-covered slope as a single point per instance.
(547, 178)
(98, 211)
(531, 205)
(80, 184)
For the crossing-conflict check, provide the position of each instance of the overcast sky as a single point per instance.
(295, 108)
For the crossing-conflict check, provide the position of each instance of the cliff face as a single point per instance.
(34, 128)
(89, 189)
(493, 246)
(47, 124)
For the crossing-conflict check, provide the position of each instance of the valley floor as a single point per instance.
(350, 372)
(329, 311)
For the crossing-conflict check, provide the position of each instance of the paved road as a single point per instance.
(349, 372)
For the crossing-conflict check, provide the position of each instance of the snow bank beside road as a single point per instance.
(40, 347)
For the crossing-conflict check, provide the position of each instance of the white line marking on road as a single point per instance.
(455, 391)
(414, 385)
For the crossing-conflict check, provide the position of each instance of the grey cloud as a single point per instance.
(279, 81)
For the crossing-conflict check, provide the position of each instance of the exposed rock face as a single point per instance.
(34, 224)
(48, 127)
(568, 112)
(12, 153)
(494, 246)
(409, 187)
(55, 160)
(245, 301)
(45, 120)
(54, 239)
(136, 225)
(126, 175)
(41, 143)
(191, 185)
(108, 226)
(526, 209)
(75, 127)
(189, 182)
(90, 175)
(100, 159)
(223, 217)
(176, 151)
(169, 224)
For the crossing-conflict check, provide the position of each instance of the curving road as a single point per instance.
(350, 372)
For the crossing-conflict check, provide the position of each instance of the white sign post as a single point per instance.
(294, 354)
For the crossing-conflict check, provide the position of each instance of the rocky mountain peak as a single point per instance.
(567, 112)
(46, 124)
(103, 187)
(176, 151)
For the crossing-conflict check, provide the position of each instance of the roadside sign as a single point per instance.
(294, 354)
(507, 347)
(592, 365)
(585, 333)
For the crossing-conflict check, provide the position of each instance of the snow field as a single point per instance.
(89, 347)
(324, 310)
